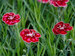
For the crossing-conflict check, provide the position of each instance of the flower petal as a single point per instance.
(33, 39)
(54, 31)
(32, 30)
(37, 35)
(17, 16)
(28, 40)
(63, 32)
(61, 4)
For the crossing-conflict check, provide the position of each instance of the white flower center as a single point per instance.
(61, 27)
(31, 34)
(10, 17)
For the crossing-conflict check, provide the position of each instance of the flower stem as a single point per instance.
(28, 47)
(64, 38)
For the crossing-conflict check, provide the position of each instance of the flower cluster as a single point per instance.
(28, 35)
(62, 28)
(56, 3)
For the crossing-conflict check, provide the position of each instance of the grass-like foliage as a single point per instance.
(42, 18)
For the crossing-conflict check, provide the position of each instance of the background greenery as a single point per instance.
(42, 18)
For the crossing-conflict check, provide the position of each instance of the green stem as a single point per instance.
(64, 38)
(28, 47)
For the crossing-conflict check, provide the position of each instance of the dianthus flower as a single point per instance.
(30, 35)
(59, 3)
(11, 18)
(62, 28)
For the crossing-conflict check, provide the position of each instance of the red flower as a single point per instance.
(62, 28)
(44, 1)
(30, 35)
(59, 3)
(11, 18)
